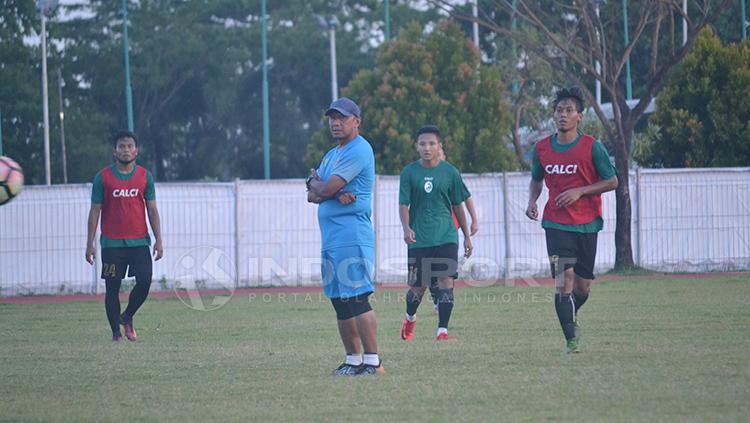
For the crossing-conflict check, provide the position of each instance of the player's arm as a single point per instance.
(459, 193)
(474, 227)
(155, 221)
(97, 198)
(153, 215)
(458, 209)
(535, 187)
(94, 213)
(572, 195)
(604, 169)
(403, 214)
(404, 200)
(311, 196)
(325, 190)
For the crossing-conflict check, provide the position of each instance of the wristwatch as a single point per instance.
(308, 180)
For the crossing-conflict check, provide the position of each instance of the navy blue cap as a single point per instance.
(345, 106)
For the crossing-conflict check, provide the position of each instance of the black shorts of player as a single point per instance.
(135, 260)
(346, 308)
(428, 264)
(571, 249)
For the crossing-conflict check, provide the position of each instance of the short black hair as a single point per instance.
(123, 134)
(574, 93)
(429, 129)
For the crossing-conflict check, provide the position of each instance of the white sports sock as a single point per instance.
(442, 330)
(354, 359)
(411, 318)
(372, 359)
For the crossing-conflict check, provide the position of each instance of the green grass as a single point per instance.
(652, 350)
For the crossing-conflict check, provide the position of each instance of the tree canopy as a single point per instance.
(430, 77)
(702, 116)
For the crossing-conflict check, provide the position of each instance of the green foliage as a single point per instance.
(703, 113)
(430, 78)
(20, 95)
(196, 81)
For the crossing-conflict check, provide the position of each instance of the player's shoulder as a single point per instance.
(410, 168)
(106, 170)
(545, 141)
(449, 168)
(589, 139)
(360, 145)
(143, 170)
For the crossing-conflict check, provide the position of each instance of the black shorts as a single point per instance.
(136, 260)
(428, 264)
(571, 249)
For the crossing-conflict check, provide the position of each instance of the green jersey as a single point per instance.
(604, 168)
(430, 194)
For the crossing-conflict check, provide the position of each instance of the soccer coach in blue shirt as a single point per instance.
(342, 186)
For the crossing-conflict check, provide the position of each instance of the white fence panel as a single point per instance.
(43, 241)
(488, 261)
(695, 220)
(198, 231)
(260, 233)
(391, 249)
(279, 239)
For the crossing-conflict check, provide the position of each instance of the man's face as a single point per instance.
(126, 151)
(343, 127)
(428, 146)
(566, 116)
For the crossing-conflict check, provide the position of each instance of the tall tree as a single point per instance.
(702, 116)
(20, 89)
(573, 37)
(430, 77)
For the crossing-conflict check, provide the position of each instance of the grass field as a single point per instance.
(654, 349)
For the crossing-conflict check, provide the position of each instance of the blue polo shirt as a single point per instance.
(348, 225)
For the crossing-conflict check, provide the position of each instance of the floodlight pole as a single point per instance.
(126, 48)
(334, 75)
(266, 125)
(387, 20)
(744, 19)
(62, 126)
(45, 103)
(475, 24)
(513, 27)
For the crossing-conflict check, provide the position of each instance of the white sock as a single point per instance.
(354, 359)
(411, 318)
(372, 359)
(442, 330)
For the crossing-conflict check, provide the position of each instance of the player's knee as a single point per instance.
(143, 280)
(112, 286)
(359, 305)
(582, 288)
(445, 282)
(565, 289)
(446, 295)
(343, 311)
(418, 291)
